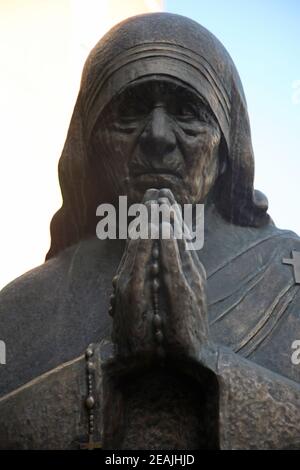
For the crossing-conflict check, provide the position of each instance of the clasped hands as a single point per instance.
(159, 304)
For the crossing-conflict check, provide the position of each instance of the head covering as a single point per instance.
(171, 46)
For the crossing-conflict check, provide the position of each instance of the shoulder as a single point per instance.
(50, 314)
(35, 285)
(280, 245)
(45, 282)
(26, 305)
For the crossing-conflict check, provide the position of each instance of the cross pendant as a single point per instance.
(295, 262)
(91, 444)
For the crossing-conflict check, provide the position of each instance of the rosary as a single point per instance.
(155, 287)
(90, 400)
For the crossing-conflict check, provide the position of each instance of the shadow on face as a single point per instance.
(159, 133)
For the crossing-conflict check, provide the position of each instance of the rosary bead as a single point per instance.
(155, 252)
(155, 268)
(155, 285)
(90, 368)
(89, 352)
(112, 299)
(157, 321)
(110, 311)
(90, 402)
(159, 336)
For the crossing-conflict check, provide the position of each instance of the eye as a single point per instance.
(186, 111)
(132, 110)
(128, 113)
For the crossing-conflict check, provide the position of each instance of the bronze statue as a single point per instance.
(197, 350)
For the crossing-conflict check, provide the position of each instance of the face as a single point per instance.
(160, 134)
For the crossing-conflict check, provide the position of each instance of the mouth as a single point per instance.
(163, 173)
(159, 180)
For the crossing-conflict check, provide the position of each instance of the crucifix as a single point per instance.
(91, 444)
(295, 262)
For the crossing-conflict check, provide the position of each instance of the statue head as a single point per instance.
(158, 132)
(160, 105)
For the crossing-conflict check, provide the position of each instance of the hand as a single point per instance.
(133, 308)
(178, 323)
(184, 283)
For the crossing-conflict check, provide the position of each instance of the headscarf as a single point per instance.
(171, 46)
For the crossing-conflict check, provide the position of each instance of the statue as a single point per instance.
(143, 343)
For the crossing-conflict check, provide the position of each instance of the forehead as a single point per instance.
(160, 87)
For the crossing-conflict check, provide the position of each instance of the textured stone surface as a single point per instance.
(236, 405)
(49, 412)
(46, 413)
(258, 409)
(155, 406)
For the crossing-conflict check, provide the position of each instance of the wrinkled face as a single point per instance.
(160, 134)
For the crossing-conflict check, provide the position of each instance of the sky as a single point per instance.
(263, 38)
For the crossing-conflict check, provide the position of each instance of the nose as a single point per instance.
(158, 138)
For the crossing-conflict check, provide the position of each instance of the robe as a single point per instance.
(49, 315)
